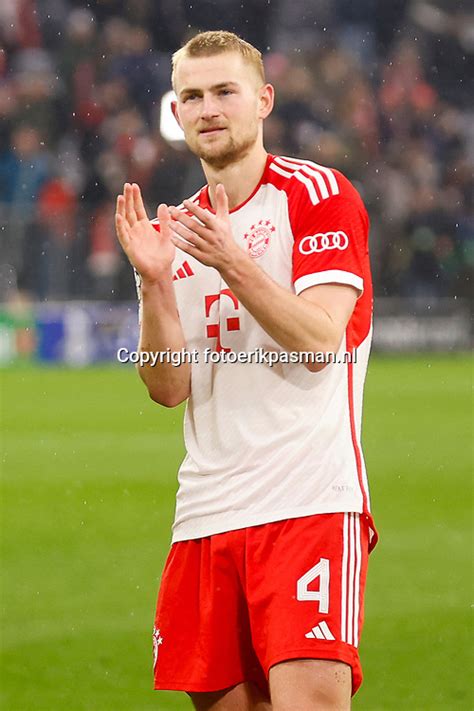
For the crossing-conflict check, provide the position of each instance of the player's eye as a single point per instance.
(225, 92)
(190, 97)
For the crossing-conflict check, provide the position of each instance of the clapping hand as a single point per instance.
(151, 252)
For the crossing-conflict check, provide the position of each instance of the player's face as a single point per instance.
(219, 106)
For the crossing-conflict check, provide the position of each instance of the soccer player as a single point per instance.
(261, 599)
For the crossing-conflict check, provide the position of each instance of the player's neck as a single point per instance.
(239, 179)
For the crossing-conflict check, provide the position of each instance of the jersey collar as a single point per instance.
(204, 195)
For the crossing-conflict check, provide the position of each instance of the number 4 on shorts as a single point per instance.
(321, 571)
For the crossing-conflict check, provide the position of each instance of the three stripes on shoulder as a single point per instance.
(319, 181)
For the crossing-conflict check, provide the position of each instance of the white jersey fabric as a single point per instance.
(267, 443)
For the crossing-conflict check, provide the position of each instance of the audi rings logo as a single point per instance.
(321, 242)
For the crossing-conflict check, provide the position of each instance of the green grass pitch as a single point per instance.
(89, 466)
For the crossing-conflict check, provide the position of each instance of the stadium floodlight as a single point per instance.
(169, 128)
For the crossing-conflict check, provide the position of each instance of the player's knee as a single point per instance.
(318, 701)
(321, 698)
(309, 685)
(242, 697)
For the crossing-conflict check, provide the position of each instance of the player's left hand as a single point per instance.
(206, 236)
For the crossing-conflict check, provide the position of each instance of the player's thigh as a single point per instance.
(308, 684)
(242, 697)
(306, 587)
(202, 631)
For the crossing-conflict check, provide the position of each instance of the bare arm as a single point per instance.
(314, 321)
(151, 254)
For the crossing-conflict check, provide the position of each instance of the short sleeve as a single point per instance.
(331, 243)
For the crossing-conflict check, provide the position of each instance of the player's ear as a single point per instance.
(266, 99)
(174, 110)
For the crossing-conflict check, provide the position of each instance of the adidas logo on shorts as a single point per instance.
(321, 631)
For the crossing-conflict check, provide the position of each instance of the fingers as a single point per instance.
(187, 228)
(222, 207)
(186, 234)
(121, 225)
(121, 205)
(164, 217)
(185, 246)
(190, 222)
(130, 209)
(203, 215)
(222, 202)
(138, 202)
(130, 213)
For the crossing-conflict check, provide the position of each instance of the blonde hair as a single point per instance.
(207, 44)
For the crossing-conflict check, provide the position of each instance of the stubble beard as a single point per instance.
(232, 152)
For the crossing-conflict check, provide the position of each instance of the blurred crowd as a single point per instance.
(379, 90)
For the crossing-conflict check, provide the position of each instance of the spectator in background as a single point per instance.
(56, 232)
(138, 67)
(78, 62)
(104, 262)
(377, 90)
(24, 169)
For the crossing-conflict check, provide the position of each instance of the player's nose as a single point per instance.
(209, 107)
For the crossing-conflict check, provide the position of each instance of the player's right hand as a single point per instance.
(149, 251)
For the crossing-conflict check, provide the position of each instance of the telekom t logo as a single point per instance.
(213, 330)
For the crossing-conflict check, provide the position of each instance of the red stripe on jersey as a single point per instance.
(355, 443)
(188, 269)
(205, 202)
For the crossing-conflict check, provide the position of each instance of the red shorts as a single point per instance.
(234, 604)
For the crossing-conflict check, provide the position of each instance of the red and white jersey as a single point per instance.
(266, 443)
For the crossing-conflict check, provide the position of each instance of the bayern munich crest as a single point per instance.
(258, 238)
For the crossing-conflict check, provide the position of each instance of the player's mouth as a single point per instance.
(211, 131)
